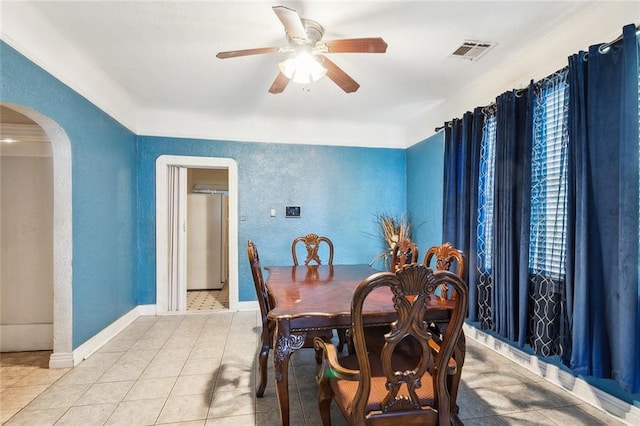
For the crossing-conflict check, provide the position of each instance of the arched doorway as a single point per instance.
(62, 356)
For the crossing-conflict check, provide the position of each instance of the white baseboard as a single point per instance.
(26, 337)
(61, 360)
(147, 309)
(85, 350)
(578, 387)
(248, 306)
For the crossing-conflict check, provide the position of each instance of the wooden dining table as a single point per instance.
(318, 297)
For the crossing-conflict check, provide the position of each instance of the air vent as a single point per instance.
(472, 50)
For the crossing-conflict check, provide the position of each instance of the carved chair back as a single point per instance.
(265, 300)
(445, 256)
(405, 252)
(312, 244)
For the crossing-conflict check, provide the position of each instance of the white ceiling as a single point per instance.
(152, 64)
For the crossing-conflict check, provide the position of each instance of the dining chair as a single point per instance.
(266, 302)
(445, 256)
(404, 252)
(312, 243)
(392, 388)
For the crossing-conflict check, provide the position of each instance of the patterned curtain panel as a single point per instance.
(548, 322)
(484, 224)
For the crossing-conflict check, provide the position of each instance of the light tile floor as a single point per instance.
(207, 300)
(200, 369)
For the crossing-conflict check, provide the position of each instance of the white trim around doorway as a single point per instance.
(62, 356)
(163, 162)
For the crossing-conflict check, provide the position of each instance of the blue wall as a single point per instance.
(425, 177)
(340, 190)
(104, 192)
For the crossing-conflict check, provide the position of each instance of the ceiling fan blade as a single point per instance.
(246, 52)
(279, 84)
(291, 21)
(338, 76)
(362, 45)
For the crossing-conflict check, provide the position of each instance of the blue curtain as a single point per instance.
(511, 214)
(602, 239)
(463, 138)
(602, 288)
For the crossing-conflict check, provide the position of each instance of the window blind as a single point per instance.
(549, 177)
(485, 193)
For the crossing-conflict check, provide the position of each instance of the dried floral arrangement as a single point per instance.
(392, 229)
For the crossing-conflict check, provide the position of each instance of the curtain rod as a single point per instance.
(518, 92)
(485, 110)
(560, 73)
(604, 47)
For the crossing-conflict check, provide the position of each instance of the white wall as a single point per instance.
(26, 252)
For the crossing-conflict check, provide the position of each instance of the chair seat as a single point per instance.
(345, 390)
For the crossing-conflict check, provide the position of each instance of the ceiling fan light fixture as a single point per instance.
(303, 68)
(306, 50)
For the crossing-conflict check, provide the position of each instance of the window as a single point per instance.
(547, 230)
(485, 193)
(549, 178)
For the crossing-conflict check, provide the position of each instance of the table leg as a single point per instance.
(285, 344)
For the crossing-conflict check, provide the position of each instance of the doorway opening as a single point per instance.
(61, 248)
(179, 181)
(207, 239)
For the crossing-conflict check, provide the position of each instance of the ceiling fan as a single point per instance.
(306, 60)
